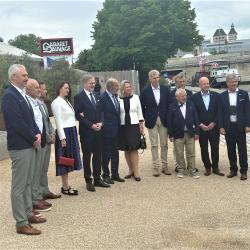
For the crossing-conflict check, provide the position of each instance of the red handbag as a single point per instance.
(66, 161)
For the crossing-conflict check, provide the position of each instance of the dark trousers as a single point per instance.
(110, 153)
(92, 146)
(213, 137)
(234, 136)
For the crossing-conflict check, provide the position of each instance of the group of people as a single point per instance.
(111, 122)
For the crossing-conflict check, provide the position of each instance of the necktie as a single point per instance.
(92, 100)
(115, 102)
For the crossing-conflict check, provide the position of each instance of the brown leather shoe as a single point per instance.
(45, 203)
(165, 171)
(41, 207)
(52, 196)
(232, 174)
(208, 172)
(28, 230)
(243, 177)
(36, 220)
(217, 171)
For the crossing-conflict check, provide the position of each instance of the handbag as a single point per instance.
(66, 161)
(143, 144)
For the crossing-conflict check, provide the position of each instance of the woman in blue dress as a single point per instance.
(66, 136)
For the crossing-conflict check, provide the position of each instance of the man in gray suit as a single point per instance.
(23, 137)
(46, 150)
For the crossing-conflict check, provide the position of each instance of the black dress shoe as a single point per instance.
(117, 178)
(128, 176)
(232, 174)
(90, 187)
(107, 180)
(217, 171)
(243, 177)
(101, 183)
(208, 172)
(137, 178)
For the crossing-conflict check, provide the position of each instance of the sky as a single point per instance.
(55, 19)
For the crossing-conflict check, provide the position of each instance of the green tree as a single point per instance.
(29, 43)
(142, 33)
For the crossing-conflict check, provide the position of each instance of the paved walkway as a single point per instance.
(157, 213)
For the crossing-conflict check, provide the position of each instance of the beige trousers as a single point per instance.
(162, 132)
(187, 143)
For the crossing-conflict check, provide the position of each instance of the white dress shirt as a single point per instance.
(233, 102)
(21, 91)
(37, 112)
(64, 115)
(183, 108)
(156, 92)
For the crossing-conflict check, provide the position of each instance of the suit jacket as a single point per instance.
(207, 116)
(176, 121)
(91, 114)
(111, 117)
(46, 122)
(151, 110)
(19, 120)
(242, 110)
(172, 94)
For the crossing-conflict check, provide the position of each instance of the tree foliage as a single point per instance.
(29, 43)
(143, 33)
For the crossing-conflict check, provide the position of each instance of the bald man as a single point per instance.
(33, 93)
(207, 106)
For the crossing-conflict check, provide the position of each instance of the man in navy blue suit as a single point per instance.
(23, 137)
(155, 100)
(207, 106)
(180, 83)
(183, 129)
(234, 123)
(88, 113)
(110, 133)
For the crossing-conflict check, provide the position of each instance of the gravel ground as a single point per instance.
(156, 213)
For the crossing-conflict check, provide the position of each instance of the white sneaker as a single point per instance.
(180, 175)
(195, 175)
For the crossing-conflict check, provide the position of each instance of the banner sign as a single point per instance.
(56, 46)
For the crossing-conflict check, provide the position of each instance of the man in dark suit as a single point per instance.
(88, 113)
(23, 137)
(234, 122)
(155, 100)
(110, 133)
(180, 83)
(207, 106)
(183, 129)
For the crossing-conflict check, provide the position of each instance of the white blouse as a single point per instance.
(135, 110)
(64, 115)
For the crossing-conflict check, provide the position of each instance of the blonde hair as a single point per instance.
(122, 86)
(153, 72)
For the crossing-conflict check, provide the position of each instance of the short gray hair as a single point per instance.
(123, 86)
(231, 77)
(153, 72)
(86, 77)
(180, 91)
(14, 69)
(110, 82)
(181, 75)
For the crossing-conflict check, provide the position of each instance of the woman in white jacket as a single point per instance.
(66, 136)
(131, 128)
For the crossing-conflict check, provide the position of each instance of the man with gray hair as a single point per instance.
(234, 123)
(155, 99)
(23, 137)
(183, 129)
(88, 113)
(110, 134)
